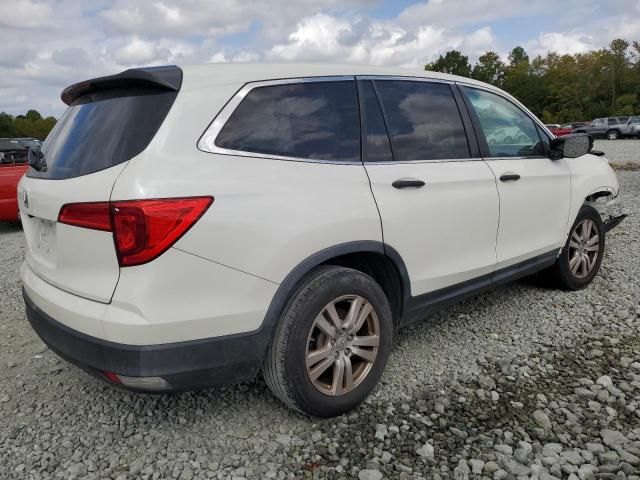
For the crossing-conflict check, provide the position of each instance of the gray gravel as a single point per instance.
(522, 382)
(620, 151)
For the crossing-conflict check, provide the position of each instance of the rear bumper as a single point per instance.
(184, 365)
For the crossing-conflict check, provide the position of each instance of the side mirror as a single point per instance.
(570, 146)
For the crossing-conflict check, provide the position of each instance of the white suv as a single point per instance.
(190, 227)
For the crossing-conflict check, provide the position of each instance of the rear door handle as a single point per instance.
(408, 183)
(509, 177)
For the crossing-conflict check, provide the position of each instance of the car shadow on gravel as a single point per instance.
(184, 406)
(10, 227)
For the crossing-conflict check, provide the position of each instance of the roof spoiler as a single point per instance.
(167, 77)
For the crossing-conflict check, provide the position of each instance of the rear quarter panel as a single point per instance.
(10, 175)
(268, 215)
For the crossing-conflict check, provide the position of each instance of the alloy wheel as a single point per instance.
(342, 345)
(584, 248)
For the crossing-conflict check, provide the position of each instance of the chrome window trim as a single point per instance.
(435, 160)
(403, 78)
(537, 157)
(207, 142)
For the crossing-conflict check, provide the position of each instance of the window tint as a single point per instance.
(102, 129)
(423, 120)
(377, 148)
(316, 120)
(508, 130)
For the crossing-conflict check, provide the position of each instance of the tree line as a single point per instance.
(31, 124)
(560, 88)
(557, 88)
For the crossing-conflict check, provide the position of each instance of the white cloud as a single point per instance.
(46, 45)
(139, 52)
(326, 38)
(23, 13)
(452, 13)
(562, 43)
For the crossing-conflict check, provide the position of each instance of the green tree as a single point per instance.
(452, 62)
(32, 124)
(518, 55)
(490, 69)
(7, 128)
(33, 116)
(618, 60)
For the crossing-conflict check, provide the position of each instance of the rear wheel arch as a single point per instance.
(376, 259)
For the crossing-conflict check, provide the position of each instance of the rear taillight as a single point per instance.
(94, 215)
(142, 229)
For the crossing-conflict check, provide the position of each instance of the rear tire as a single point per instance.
(332, 344)
(580, 258)
(613, 135)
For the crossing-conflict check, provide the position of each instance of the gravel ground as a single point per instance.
(522, 382)
(620, 151)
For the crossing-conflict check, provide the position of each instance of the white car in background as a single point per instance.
(193, 226)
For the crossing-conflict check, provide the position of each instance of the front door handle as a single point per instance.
(408, 183)
(509, 177)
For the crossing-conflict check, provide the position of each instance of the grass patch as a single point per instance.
(625, 166)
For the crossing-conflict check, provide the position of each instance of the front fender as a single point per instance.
(590, 174)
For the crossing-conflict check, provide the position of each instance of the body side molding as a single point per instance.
(420, 306)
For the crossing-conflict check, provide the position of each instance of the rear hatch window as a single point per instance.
(102, 129)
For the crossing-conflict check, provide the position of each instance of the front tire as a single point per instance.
(581, 257)
(332, 344)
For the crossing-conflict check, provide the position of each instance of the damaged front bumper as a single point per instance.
(610, 211)
(613, 221)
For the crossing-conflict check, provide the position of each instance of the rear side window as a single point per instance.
(423, 120)
(313, 120)
(103, 129)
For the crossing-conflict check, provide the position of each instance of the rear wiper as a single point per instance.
(36, 159)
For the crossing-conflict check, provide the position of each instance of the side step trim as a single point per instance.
(420, 306)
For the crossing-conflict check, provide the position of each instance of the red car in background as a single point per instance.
(13, 164)
(565, 129)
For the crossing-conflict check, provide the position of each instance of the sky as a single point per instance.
(48, 45)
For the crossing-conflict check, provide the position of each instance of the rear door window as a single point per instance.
(423, 120)
(103, 129)
(307, 120)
